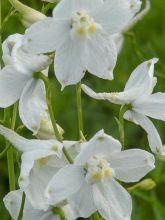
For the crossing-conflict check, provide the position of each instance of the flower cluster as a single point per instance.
(68, 179)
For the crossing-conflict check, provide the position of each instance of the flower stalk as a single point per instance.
(79, 109)
(59, 137)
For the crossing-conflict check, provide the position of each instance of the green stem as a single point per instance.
(96, 216)
(20, 215)
(120, 122)
(10, 152)
(47, 83)
(79, 108)
(2, 154)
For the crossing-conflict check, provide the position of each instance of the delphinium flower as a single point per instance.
(41, 159)
(80, 32)
(12, 203)
(90, 184)
(17, 83)
(142, 103)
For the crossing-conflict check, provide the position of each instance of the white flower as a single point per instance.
(138, 94)
(90, 183)
(17, 82)
(80, 32)
(119, 37)
(41, 159)
(12, 203)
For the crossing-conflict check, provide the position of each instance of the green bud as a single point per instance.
(146, 184)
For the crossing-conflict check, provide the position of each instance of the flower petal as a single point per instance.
(142, 78)
(65, 9)
(101, 144)
(121, 98)
(131, 165)
(82, 201)
(11, 85)
(153, 106)
(112, 201)
(69, 63)
(8, 45)
(35, 176)
(24, 144)
(64, 184)
(101, 56)
(13, 202)
(108, 14)
(32, 105)
(153, 135)
(27, 62)
(46, 35)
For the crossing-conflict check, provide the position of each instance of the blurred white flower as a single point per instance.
(12, 203)
(138, 94)
(90, 183)
(81, 32)
(17, 82)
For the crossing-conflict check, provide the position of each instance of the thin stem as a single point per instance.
(79, 109)
(10, 153)
(20, 215)
(2, 154)
(51, 113)
(120, 122)
(96, 216)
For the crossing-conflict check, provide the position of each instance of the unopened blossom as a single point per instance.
(41, 159)
(81, 32)
(90, 184)
(142, 103)
(17, 83)
(29, 15)
(12, 203)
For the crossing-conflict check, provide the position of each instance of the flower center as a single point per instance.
(97, 169)
(82, 24)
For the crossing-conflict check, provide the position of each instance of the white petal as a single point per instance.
(139, 16)
(119, 40)
(142, 78)
(46, 35)
(153, 106)
(101, 56)
(114, 15)
(153, 135)
(121, 98)
(82, 201)
(69, 63)
(32, 105)
(101, 144)
(64, 184)
(35, 176)
(69, 212)
(65, 9)
(11, 85)
(13, 202)
(24, 144)
(112, 201)
(27, 63)
(131, 165)
(8, 45)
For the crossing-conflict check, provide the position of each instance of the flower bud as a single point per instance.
(29, 15)
(146, 184)
(46, 130)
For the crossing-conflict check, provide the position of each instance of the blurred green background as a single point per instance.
(147, 41)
